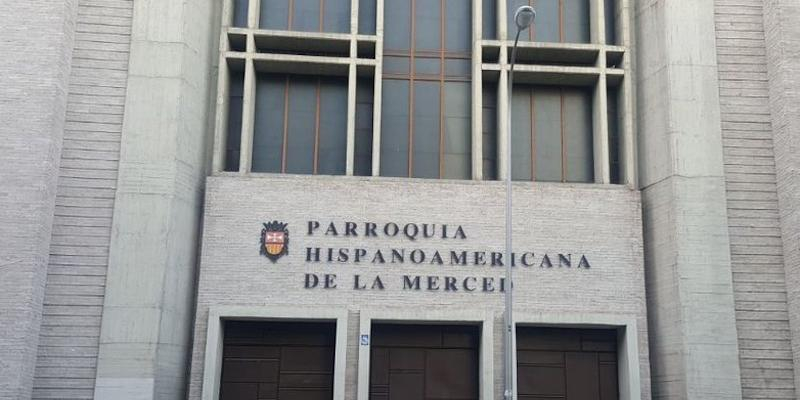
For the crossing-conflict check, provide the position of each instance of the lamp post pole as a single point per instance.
(523, 18)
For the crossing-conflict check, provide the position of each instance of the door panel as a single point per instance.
(277, 361)
(410, 362)
(567, 364)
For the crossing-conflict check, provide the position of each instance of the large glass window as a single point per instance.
(426, 90)
(300, 125)
(565, 21)
(551, 134)
(306, 15)
(307, 102)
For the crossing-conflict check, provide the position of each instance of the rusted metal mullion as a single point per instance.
(441, 86)
(321, 15)
(412, 71)
(533, 134)
(285, 125)
(316, 128)
(563, 140)
(290, 15)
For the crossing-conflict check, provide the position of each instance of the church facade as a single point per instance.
(305, 199)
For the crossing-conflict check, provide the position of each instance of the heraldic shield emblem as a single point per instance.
(274, 240)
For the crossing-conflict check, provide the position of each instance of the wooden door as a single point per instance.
(278, 361)
(568, 364)
(424, 362)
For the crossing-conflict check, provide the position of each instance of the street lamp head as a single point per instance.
(524, 17)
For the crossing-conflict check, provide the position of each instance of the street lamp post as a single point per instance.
(523, 18)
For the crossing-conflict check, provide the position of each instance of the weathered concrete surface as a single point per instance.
(149, 305)
(762, 318)
(693, 342)
(70, 333)
(36, 47)
(783, 55)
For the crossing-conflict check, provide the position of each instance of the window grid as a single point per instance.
(365, 60)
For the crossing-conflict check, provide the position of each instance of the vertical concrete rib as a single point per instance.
(477, 91)
(149, 304)
(37, 45)
(378, 95)
(693, 347)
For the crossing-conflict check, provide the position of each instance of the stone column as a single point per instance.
(148, 313)
(693, 340)
(783, 64)
(36, 47)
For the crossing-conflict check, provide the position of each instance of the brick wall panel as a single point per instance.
(753, 214)
(67, 359)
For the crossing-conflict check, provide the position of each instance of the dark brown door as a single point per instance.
(569, 364)
(277, 361)
(422, 362)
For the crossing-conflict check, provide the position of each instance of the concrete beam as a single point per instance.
(693, 343)
(37, 45)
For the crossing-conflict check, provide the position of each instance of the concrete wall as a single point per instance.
(36, 45)
(149, 304)
(694, 347)
(762, 318)
(783, 56)
(68, 344)
(548, 218)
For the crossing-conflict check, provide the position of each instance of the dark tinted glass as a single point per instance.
(234, 137)
(332, 155)
(274, 14)
(489, 19)
(396, 65)
(301, 125)
(426, 129)
(547, 133)
(427, 66)
(457, 130)
(577, 114)
(394, 128)
(428, 24)
(366, 17)
(556, 21)
(438, 69)
(305, 15)
(269, 121)
(546, 26)
(458, 25)
(457, 68)
(555, 125)
(613, 136)
(336, 16)
(576, 21)
(397, 25)
(240, 13)
(521, 134)
(489, 131)
(364, 110)
(611, 21)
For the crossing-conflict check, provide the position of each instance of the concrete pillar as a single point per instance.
(149, 304)
(783, 65)
(37, 42)
(693, 342)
